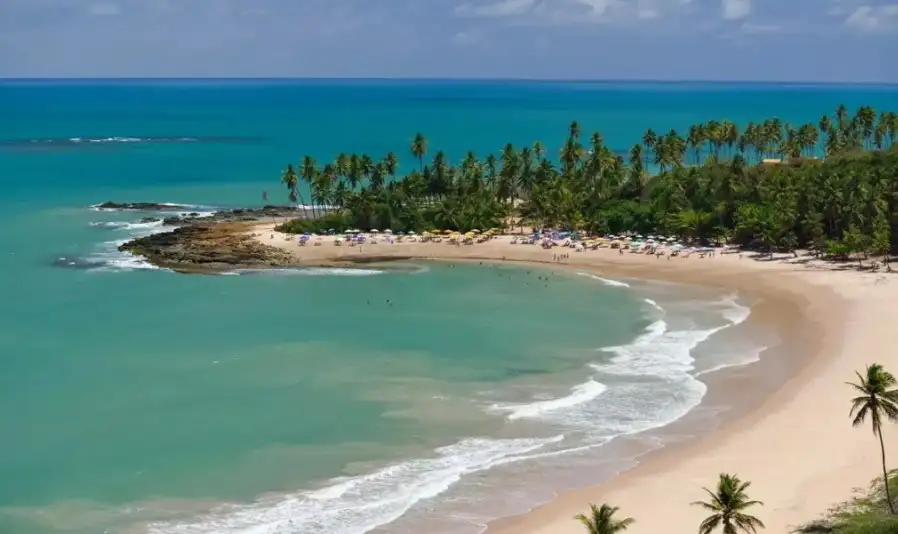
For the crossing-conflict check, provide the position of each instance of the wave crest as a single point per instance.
(580, 394)
(362, 503)
(606, 281)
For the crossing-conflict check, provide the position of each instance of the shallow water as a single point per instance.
(139, 400)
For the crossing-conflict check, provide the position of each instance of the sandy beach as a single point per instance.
(796, 446)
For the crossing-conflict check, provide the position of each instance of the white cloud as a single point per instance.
(572, 12)
(505, 8)
(598, 7)
(874, 19)
(736, 9)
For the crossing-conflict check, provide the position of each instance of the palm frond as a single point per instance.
(709, 524)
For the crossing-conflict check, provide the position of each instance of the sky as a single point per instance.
(763, 40)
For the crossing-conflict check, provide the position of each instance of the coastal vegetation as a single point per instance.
(878, 400)
(759, 186)
(728, 505)
(729, 502)
(601, 520)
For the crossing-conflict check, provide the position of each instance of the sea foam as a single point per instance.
(606, 281)
(581, 393)
(359, 504)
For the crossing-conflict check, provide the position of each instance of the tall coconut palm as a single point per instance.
(392, 162)
(649, 139)
(727, 505)
(308, 172)
(878, 399)
(841, 116)
(601, 520)
(418, 149)
(289, 179)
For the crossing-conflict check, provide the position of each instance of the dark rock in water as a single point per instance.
(214, 243)
(149, 220)
(141, 206)
(71, 262)
(206, 246)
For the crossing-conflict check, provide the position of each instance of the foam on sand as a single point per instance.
(359, 504)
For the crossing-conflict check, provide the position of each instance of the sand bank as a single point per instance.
(797, 446)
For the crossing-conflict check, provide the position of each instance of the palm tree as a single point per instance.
(392, 162)
(289, 179)
(601, 520)
(418, 149)
(727, 506)
(308, 172)
(649, 139)
(878, 399)
(841, 116)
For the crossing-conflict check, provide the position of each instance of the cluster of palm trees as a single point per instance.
(710, 186)
(728, 503)
(769, 139)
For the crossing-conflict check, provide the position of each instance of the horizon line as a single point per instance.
(7, 79)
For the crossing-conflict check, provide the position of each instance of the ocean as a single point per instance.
(133, 399)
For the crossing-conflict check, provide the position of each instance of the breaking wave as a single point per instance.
(359, 504)
(606, 281)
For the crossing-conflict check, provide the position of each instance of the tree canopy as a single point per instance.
(715, 183)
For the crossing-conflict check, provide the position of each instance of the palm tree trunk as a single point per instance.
(885, 473)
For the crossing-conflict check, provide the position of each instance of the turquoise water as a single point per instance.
(133, 399)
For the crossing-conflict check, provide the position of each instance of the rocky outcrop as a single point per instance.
(208, 243)
(208, 246)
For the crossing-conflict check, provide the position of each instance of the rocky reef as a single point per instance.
(210, 243)
(207, 247)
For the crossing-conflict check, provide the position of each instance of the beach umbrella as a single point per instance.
(388, 231)
(374, 230)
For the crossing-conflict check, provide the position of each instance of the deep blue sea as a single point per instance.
(138, 400)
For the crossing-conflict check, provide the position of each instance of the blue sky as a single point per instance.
(804, 40)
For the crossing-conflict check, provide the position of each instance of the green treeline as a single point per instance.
(712, 185)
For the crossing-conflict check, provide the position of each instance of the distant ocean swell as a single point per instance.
(662, 390)
(88, 142)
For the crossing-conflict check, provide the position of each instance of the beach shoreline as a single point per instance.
(820, 458)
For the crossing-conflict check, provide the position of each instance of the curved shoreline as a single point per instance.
(790, 436)
(819, 458)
